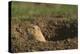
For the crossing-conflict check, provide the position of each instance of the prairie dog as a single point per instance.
(35, 32)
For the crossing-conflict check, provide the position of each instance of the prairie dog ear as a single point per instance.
(38, 28)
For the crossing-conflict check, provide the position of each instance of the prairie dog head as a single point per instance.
(33, 29)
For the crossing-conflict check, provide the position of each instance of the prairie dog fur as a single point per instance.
(36, 33)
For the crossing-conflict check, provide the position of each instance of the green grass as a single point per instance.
(31, 9)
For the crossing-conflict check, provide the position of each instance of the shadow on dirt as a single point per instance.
(64, 30)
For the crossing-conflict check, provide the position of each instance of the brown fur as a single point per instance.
(36, 33)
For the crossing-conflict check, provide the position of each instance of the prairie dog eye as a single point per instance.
(33, 28)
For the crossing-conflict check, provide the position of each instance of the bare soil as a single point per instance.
(59, 33)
